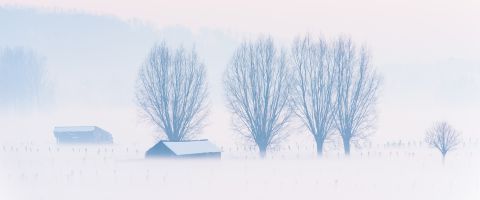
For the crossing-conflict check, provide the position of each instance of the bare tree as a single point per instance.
(172, 91)
(356, 91)
(23, 82)
(314, 99)
(257, 89)
(442, 137)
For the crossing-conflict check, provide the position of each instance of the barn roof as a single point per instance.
(82, 134)
(59, 129)
(191, 147)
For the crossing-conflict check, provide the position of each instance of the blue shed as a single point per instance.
(82, 135)
(184, 149)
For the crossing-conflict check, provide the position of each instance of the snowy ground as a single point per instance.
(50, 172)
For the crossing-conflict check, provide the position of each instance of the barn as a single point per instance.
(82, 135)
(184, 149)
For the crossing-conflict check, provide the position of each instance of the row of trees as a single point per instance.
(329, 85)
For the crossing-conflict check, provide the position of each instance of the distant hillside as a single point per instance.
(94, 59)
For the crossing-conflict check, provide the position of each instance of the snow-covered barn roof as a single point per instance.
(59, 129)
(82, 134)
(191, 147)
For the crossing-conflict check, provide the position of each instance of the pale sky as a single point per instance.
(415, 30)
(428, 52)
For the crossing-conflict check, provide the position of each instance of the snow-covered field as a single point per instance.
(407, 171)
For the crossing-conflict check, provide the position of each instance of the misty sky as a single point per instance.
(428, 53)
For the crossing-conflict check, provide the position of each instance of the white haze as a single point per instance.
(93, 60)
(426, 51)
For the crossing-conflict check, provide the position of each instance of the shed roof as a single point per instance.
(191, 147)
(58, 129)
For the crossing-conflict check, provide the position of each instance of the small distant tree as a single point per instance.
(443, 137)
(257, 90)
(172, 91)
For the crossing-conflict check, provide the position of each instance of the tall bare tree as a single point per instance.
(314, 90)
(172, 91)
(257, 90)
(442, 137)
(356, 91)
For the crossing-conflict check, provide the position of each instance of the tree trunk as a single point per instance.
(319, 143)
(263, 152)
(346, 146)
